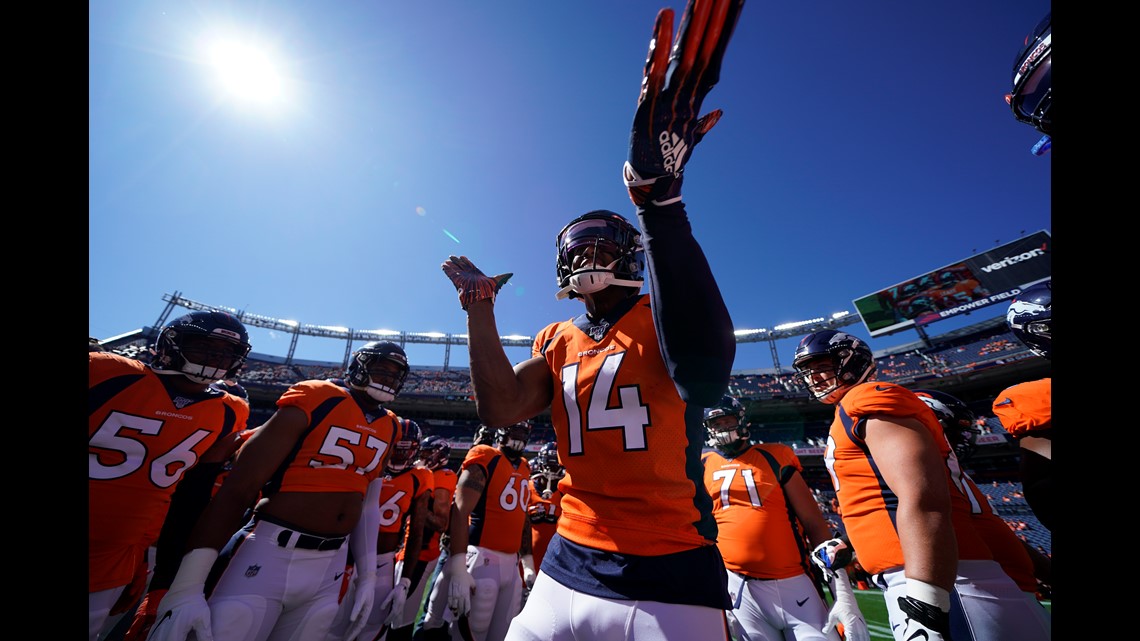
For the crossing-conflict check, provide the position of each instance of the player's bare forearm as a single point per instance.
(415, 539)
(502, 396)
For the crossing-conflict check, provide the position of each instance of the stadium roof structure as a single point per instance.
(349, 335)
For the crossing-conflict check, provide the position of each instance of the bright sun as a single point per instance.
(247, 72)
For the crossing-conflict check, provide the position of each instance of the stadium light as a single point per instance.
(795, 324)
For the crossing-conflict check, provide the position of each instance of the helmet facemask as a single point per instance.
(607, 234)
(513, 439)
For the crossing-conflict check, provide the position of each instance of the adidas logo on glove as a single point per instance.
(672, 150)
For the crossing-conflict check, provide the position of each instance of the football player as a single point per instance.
(403, 509)
(317, 463)
(1019, 560)
(625, 382)
(1032, 97)
(1026, 409)
(147, 426)
(434, 454)
(545, 500)
(489, 537)
(767, 518)
(895, 477)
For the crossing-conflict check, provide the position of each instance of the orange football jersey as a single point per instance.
(542, 530)
(141, 439)
(633, 476)
(1026, 407)
(398, 494)
(344, 449)
(497, 521)
(757, 536)
(866, 502)
(441, 478)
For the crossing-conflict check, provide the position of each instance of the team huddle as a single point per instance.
(653, 516)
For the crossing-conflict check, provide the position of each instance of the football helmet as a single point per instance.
(725, 433)
(603, 230)
(1032, 94)
(959, 422)
(483, 436)
(831, 362)
(1030, 317)
(202, 346)
(512, 439)
(546, 470)
(406, 448)
(382, 387)
(434, 452)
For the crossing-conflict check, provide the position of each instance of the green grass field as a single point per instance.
(875, 612)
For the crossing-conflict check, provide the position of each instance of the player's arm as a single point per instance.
(503, 394)
(806, 509)
(414, 542)
(255, 463)
(694, 329)
(438, 516)
(909, 461)
(472, 483)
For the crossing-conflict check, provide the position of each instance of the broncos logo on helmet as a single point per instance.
(202, 346)
(959, 422)
(831, 362)
(1030, 318)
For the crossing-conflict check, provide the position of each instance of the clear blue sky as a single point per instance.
(862, 144)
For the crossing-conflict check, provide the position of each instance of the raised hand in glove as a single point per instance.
(461, 585)
(833, 554)
(364, 596)
(666, 125)
(395, 600)
(471, 283)
(845, 611)
(183, 610)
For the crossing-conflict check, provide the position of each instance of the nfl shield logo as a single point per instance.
(252, 571)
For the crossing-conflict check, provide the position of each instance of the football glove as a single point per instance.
(845, 611)
(395, 600)
(363, 599)
(471, 283)
(144, 616)
(833, 554)
(528, 573)
(676, 80)
(927, 611)
(461, 585)
(183, 610)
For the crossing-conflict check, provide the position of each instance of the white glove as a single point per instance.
(183, 610)
(832, 555)
(461, 585)
(927, 610)
(846, 612)
(528, 572)
(396, 600)
(364, 597)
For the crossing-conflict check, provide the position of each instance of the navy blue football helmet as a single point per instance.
(382, 387)
(434, 452)
(406, 448)
(959, 422)
(1030, 317)
(722, 433)
(512, 439)
(203, 346)
(832, 362)
(604, 230)
(1032, 94)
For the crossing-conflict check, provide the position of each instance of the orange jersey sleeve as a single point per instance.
(497, 521)
(1026, 407)
(344, 448)
(867, 504)
(141, 439)
(758, 533)
(630, 445)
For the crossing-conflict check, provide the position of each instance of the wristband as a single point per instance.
(194, 569)
(927, 593)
